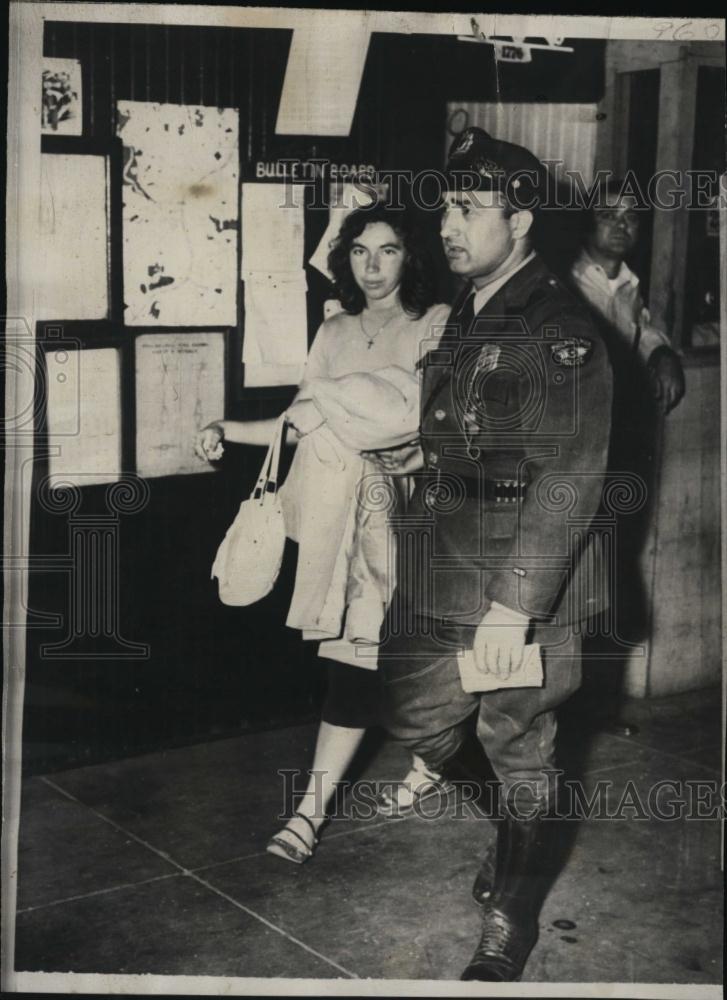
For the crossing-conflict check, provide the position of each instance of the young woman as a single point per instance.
(359, 394)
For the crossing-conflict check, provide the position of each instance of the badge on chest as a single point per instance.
(487, 359)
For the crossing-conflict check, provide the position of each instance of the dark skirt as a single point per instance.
(352, 696)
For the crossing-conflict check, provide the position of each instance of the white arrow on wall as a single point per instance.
(323, 75)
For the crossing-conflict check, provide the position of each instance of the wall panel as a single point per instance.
(562, 132)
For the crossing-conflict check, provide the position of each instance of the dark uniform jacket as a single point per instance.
(516, 412)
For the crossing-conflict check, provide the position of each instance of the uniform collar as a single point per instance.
(514, 288)
(483, 295)
(586, 267)
(515, 293)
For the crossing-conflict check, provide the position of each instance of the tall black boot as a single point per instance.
(510, 914)
(471, 765)
(482, 887)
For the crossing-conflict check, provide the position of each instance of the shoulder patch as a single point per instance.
(572, 352)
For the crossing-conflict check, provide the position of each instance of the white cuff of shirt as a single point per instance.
(517, 617)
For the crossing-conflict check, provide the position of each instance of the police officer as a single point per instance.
(496, 548)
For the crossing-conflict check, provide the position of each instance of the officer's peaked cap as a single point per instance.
(477, 161)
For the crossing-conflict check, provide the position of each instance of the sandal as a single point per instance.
(420, 783)
(283, 848)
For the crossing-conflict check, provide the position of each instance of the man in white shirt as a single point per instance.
(648, 383)
(603, 278)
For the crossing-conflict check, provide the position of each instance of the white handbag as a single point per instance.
(249, 557)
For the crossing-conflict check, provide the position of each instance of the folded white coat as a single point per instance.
(369, 411)
(322, 493)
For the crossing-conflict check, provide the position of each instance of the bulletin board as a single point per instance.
(162, 170)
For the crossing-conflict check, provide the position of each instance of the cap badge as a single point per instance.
(464, 143)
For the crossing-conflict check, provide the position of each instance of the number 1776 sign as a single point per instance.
(511, 49)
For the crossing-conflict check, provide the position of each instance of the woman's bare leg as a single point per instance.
(335, 749)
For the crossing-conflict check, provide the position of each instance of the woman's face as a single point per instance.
(377, 259)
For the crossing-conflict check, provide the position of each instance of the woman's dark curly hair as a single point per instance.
(417, 289)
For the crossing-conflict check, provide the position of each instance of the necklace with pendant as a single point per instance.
(369, 338)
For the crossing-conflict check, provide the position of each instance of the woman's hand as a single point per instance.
(304, 416)
(398, 461)
(208, 443)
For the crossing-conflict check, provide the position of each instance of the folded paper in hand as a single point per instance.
(530, 673)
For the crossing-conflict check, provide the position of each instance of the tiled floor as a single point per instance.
(157, 865)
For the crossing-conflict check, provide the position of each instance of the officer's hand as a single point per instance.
(398, 461)
(667, 379)
(208, 443)
(304, 416)
(500, 641)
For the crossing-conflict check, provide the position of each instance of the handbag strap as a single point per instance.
(275, 458)
(267, 481)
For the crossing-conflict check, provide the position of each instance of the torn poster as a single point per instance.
(275, 344)
(72, 274)
(273, 227)
(180, 214)
(180, 388)
(84, 416)
(61, 109)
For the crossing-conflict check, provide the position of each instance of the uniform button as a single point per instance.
(433, 457)
(440, 414)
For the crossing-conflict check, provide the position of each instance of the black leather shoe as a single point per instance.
(503, 949)
(510, 912)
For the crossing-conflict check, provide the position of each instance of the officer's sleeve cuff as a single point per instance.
(659, 352)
